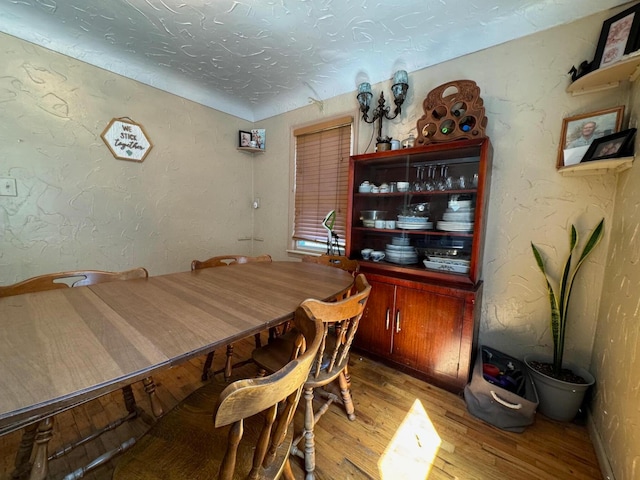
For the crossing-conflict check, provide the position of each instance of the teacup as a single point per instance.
(403, 186)
(366, 253)
(391, 224)
(379, 224)
(377, 255)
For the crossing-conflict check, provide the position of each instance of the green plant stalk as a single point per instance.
(560, 305)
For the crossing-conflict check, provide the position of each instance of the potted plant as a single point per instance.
(561, 386)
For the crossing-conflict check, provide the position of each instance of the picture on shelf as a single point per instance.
(619, 37)
(579, 131)
(244, 139)
(612, 146)
(258, 135)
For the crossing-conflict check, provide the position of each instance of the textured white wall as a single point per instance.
(79, 207)
(616, 352)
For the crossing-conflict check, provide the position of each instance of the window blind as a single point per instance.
(321, 179)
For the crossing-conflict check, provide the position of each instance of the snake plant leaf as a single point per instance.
(560, 305)
(553, 302)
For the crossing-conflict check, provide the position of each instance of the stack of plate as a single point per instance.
(455, 226)
(447, 264)
(413, 223)
(400, 241)
(401, 254)
(458, 217)
(465, 216)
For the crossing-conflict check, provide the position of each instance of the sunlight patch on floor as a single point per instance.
(412, 449)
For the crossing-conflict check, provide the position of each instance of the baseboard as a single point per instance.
(603, 461)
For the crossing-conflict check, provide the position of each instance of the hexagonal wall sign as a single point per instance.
(127, 140)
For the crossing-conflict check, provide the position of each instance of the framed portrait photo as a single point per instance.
(612, 146)
(619, 36)
(244, 139)
(579, 131)
(259, 136)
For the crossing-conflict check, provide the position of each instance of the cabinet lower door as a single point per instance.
(374, 330)
(427, 329)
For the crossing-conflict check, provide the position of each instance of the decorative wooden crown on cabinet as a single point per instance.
(452, 111)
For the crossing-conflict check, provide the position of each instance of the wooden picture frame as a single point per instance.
(618, 37)
(572, 140)
(126, 139)
(612, 146)
(244, 139)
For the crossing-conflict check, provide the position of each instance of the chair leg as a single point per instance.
(309, 440)
(347, 377)
(23, 455)
(207, 366)
(346, 396)
(40, 468)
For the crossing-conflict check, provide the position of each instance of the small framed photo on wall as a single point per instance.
(612, 146)
(258, 135)
(579, 131)
(244, 139)
(619, 36)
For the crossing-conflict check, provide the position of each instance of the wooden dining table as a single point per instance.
(62, 347)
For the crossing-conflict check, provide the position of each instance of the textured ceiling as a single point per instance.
(258, 58)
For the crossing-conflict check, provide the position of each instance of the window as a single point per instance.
(321, 180)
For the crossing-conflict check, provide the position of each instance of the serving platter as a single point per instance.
(447, 267)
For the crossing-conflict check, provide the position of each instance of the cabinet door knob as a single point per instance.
(398, 321)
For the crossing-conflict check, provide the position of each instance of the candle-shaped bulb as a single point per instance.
(400, 77)
(365, 87)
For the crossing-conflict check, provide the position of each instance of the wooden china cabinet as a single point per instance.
(422, 317)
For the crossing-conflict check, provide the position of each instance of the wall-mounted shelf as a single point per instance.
(597, 167)
(251, 149)
(607, 77)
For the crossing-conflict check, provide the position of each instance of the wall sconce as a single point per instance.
(399, 89)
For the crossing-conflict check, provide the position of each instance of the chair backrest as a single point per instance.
(225, 260)
(51, 281)
(247, 397)
(338, 261)
(341, 319)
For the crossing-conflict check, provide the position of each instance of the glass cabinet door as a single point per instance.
(420, 211)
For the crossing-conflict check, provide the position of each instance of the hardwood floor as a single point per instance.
(405, 429)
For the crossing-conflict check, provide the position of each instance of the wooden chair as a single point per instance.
(252, 417)
(33, 432)
(340, 319)
(337, 261)
(224, 261)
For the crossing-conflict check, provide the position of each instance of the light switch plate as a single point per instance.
(8, 187)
